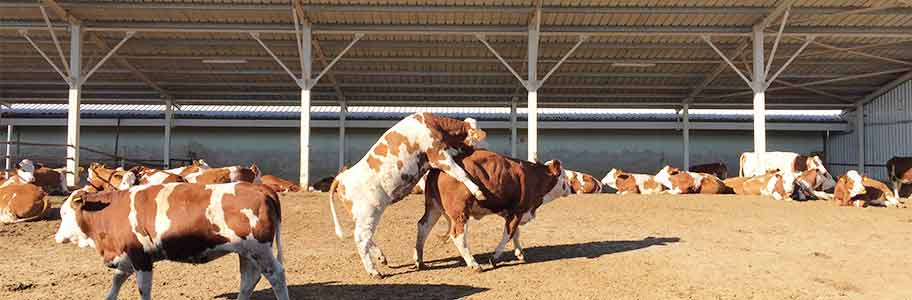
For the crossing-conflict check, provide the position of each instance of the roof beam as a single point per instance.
(886, 88)
(850, 77)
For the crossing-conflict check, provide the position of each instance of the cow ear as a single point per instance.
(77, 200)
(555, 167)
(255, 169)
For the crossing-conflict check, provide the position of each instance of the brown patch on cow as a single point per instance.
(420, 118)
(145, 173)
(214, 176)
(279, 185)
(374, 163)
(651, 184)
(625, 182)
(190, 170)
(381, 149)
(682, 181)
(713, 185)
(717, 169)
(400, 164)
(800, 164)
(25, 201)
(590, 185)
(842, 191)
(49, 180)
(396, 140)
(146, 209)
(575, 185)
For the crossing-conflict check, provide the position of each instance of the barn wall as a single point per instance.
(275, 150)
(888, 133)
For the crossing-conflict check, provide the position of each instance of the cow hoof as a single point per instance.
(376, 275)
(493, 263)
(521, 257)
(419, 266)
(476, 269)
(383, 261)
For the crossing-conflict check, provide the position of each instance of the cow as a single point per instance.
(226, 174)
(516, 188)
(180, 222)
(25, 173)
(899, 169)
(582, 183)
(419, 187)
(716, 169)
(679, 182)
(151, 176)
(22, 203)
(323, 184)
(103, 179)
(860, 191)
(392, 167)
(783, 161)
(626, 183)
(778, 185)
(193, 170)
(52, 181)
(811, 185)
(279, 185)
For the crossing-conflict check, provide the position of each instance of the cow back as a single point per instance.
(22, 201)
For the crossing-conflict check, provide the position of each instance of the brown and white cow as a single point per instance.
(181, 222)
(790, 162)
(279, 185)
(22, 203)
(516, 189)
(810, 185)
(151, 176)
(860, 191)
(52, 181)
(226, 174)
(581, 183)
(899, 169)
(392, 167)
(778, 185)
(716, 169)
(103, 179)
(25, 173)
(626, 183)
(680, 182)
(192, 170)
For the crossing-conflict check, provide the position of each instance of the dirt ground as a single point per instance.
(580, 247)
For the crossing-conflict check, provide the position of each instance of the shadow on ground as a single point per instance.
(333, 290)
(552, 253)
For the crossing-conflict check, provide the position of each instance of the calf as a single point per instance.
(180, 222)
(899, 169)
(279, 185)
(516, 189)
(22, 202)
(777, 185)
(392, 167)
(626, 183)
(582, 183)
(679, 182)
(226, 175)
(717, 169)
(861, 191)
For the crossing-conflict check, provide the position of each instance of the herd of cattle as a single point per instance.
(198, 213)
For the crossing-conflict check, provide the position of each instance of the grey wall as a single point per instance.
(275, 150)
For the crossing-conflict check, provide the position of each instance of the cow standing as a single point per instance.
(899, 169)
(860, 191)
(180, 222)
(782, 161)
(22, 203)
(626, 183)
(516, 188)
(392, 167)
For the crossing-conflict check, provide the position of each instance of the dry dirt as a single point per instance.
(580, 247)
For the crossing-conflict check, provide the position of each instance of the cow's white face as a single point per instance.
(69, 231)
(611, 178)
(475, 136)
(26, 170)
(664, 177)
(561, 187)
(857, 184)
(788, 183)
(127, 181)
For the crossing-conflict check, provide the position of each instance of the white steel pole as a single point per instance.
(169, 122)
(305, 84)
(532, 88)
(686, 133)
(860, 134)
(343, 110)
(9, 144)
(513, 135)
(75, 93)
(759, 88)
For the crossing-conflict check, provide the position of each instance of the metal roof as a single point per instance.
(641, 53)
(396, 113)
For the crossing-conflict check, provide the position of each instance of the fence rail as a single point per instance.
(113, 159)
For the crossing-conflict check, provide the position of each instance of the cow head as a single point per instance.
(475, 136)
(102, 178)
(664, 176)
(561, 186)
(69, 230)
(610, 179)
(26, 170)
(849, 186)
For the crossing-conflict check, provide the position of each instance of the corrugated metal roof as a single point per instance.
(395, 113)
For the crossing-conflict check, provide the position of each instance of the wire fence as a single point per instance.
(55, 161)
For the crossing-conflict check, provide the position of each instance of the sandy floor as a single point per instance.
(581, 247)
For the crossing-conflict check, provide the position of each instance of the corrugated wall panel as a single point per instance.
(888, 133)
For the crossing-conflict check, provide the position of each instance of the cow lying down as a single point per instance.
(180, 222)
(515, 189)
(853, 189)
(22, 203)
(779, 185)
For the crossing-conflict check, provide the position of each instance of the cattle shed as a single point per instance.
(169, 60)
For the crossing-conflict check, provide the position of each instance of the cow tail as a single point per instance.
(332, 208)
(741, 165)
(276, 206)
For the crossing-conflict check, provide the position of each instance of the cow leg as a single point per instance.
(517, 248)
(449, 166)
(377, 253)
(366, 219)
(458, 233)
(510, 228)
(897, 185)
(272, 269)
(123, 271)
(144, 282)
(250, 276)
(425, 224)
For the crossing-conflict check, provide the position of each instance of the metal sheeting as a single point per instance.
(888, 133)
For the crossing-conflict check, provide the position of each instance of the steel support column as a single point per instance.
(685, 114)
(75, 93)
(513, 135)
(343, 111)
(532, 85)
(169, 122)
(306, 86)
(9, 146)
(860, 136)
(759, 88)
